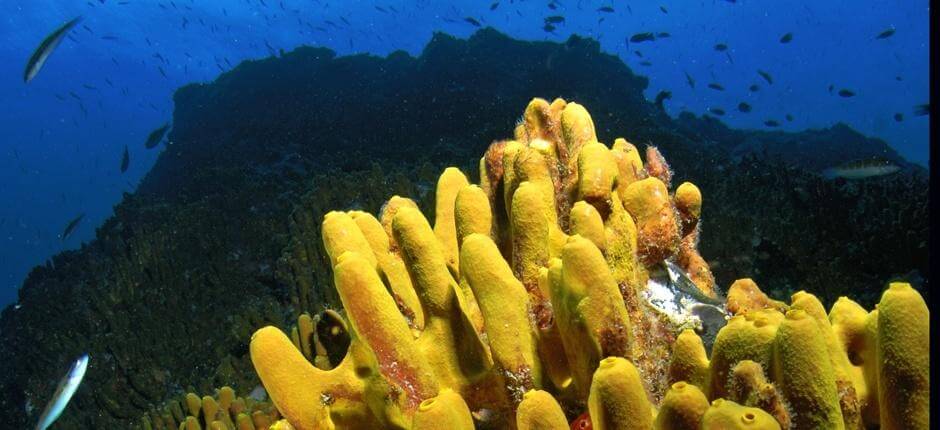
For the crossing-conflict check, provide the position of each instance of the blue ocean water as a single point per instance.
(111, 80)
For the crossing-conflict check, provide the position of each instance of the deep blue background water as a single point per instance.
(57, 161)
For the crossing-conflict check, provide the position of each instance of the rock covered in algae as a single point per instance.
(538, 312)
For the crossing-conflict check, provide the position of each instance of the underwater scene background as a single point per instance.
(804, 125)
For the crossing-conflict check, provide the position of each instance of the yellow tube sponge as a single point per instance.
(287, 376)
(689, 362)
(387, 214)
(597, 174)
(803, 372)
(450, 340)
(376, 320)
(628, 163)
(869, 355)
(849, 384)
(682, 408)
(744, 296)
(540, 411)
(657, 227)
(728, 415)
(620, 249)
(530, 237)
(596, 300)
(341, 234)
(586, 221)
(903, 358)
(688, 200)
(617, 399)
(539, 120)
(504, 303)
(472, 212)
(577, 130)
(448, 185)
(446, 411)
(391, 267)
(749, 387)
(745, 337)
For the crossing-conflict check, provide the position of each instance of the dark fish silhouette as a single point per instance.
(846, 93)
(766, 76)
(555, 19)
(771, 123)
(494, 6)
(156, 136)
(721, 47)
(688, 78)
(921, 110)
(885, 34)
(663, 8)
(744, 107)
(753, 88)
(789, 117)
(642, 37)
(831, 88)
(41, 54)
(125, 160)
(607, 9)
(786, 38)
(716, 86)
(716, 111)
(663, 35)
(70, 227)
(548, 27)
(898, 117)
(472, 21)
(645, 63)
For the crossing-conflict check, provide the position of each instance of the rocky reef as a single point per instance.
(534, 298)
(223, 235)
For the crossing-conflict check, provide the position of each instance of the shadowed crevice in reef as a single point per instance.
(216, 241)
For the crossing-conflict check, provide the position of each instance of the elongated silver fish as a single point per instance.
(41, 54)
(862, 169)
(63, 393)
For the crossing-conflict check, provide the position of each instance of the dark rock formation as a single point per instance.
(222, 235)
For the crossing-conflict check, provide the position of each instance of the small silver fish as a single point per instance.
(63, 393)
(41, 54)
(672, 292)
(862, 169)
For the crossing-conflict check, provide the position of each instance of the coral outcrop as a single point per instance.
(223, 411)
(569, 280)
(223, 237)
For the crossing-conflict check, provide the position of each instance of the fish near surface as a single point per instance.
(862, 169)
(41, 54)
(63, 393)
